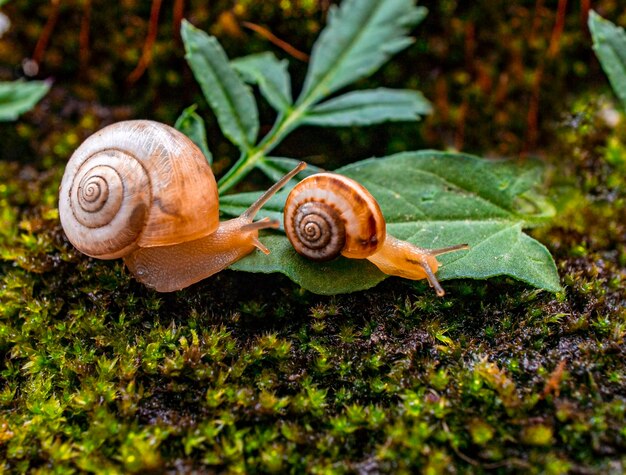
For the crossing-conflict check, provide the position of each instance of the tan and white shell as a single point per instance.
(136, 184)
(143, 191)
(329, 214)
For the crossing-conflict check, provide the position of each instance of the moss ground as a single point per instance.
(248, 373)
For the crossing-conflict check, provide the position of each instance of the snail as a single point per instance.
(143, 191)
(327, 214)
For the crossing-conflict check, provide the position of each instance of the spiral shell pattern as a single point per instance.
(107, 209)
(328, 214)
(136, 184)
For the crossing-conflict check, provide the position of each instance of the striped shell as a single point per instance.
(328, 214)
(136, 184)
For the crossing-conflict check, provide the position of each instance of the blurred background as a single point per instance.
(501, 75)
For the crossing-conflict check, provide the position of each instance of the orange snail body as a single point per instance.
(328, 214)
(143, 191)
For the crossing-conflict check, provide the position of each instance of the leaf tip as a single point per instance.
(187, 29)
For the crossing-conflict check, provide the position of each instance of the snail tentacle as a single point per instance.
(403, 259)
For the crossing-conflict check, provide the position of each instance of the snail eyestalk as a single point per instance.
(258, 204)
(254, 227)
(403, 259)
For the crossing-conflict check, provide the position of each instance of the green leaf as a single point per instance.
(231, 100)
(369, 107)
(325, 278)
(270, 74)
(361, 35)
(609, 44)
(18, 97)
(433, 199)
(192, 125)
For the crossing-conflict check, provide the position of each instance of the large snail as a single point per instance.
(328, 214)
(143, 191)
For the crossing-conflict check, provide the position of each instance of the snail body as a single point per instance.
(327, 215)
(143, 191)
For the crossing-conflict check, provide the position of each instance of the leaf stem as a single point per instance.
(249, 160)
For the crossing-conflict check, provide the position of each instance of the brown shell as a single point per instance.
(136, 184)
(327, 214)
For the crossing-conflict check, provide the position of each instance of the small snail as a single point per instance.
(328, 214)
(143, 191)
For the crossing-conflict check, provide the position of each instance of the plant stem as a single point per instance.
(249, 160)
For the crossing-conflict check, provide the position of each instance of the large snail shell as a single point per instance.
(328, 214)
(136, 184)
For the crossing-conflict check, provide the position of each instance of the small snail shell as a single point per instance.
(328, 214)
(143, 191)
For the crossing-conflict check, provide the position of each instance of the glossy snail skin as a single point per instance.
(143, 191)
(328, 214)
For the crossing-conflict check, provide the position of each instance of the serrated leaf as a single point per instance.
(609, 44)
(369, 107)
(433, 199)
(231, 100)
(18, 97)
(192, 125)
(360, 36)
(270, 74)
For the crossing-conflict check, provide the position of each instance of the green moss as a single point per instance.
(109, 375)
